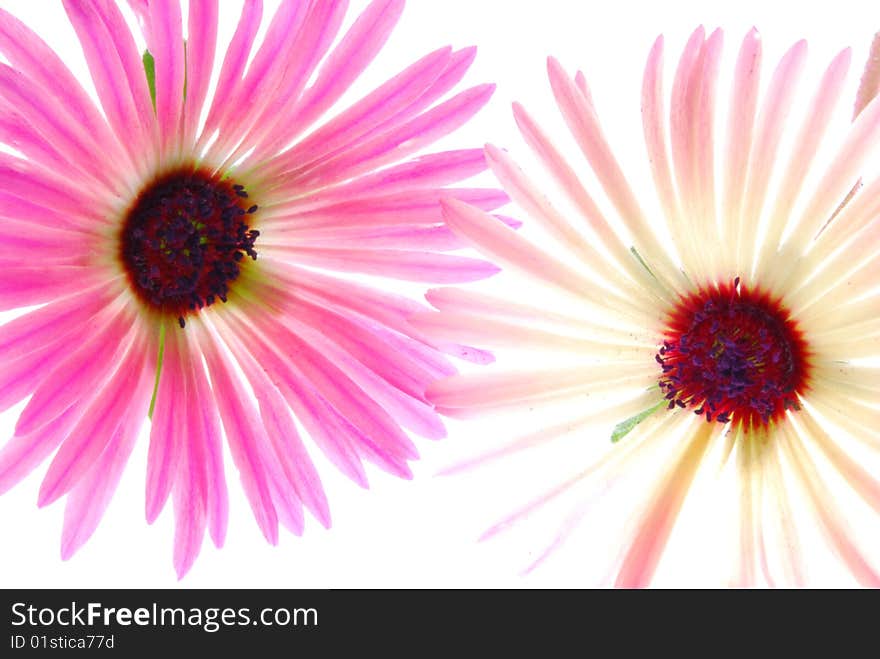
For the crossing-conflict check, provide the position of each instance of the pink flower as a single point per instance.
(172, 256)
(720, 341)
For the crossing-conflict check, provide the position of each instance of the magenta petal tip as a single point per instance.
(467, 55)
(47, 495)
(67, 551)
(152, 510)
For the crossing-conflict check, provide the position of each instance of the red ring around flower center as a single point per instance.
(733, 355)
(184, 238)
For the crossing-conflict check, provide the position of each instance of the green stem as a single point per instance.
(159, 360)
(150, 71)
(623, 428)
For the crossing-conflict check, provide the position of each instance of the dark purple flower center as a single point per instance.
(733, 355)
(184, 239)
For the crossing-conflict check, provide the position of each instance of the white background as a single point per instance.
(420, 533)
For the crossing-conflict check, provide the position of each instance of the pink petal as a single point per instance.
(263, 75)
(34, 214)
(32, 346)
(20, 179)
(435, 169)
(403, 208)
(333, 408)
(431, 238)
(401, 141)
(459, 63)
(166, 46)
(398, 264)
(132, 64)
(855, 217)
(287, 504)
(749, 513)
(643, 554)
(460, 300)
(705, 128)
(167, 430)
(22, 375)
(15, 131)
(769, 129)
(42, 327)
(29, 285)
(741, 125)
(89, 498)
(36, 60)
(385, 101)
(793, 559)
(827, 514)
(389, 309)
(82, 371)
(200, 50)
(367, 341)
(611, 461)
(299, 473)
(141, 8)
(107, 67)
(96, 427)
(506, 247)
(22, 243)
(684, 107)
(354, 53)
(204, 418)
(844, 170)
(654, 122)
(340, 391)
(381, 381)
(870, 82)
(64, 133)
(190, 491)
(692, 113)
(316, 415)
(274, 131)
(233, 66)
(491, 389)
(397, 236)
(584, 125)
(467, 353)
(861, 480)
(190, 519)
(807, 145)
(526, 193)
(497, 333)
(24, 453)
(245, 435)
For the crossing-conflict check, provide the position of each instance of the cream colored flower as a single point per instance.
(734, 328)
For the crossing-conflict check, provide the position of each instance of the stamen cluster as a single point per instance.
(733, 355)
(184, 239)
